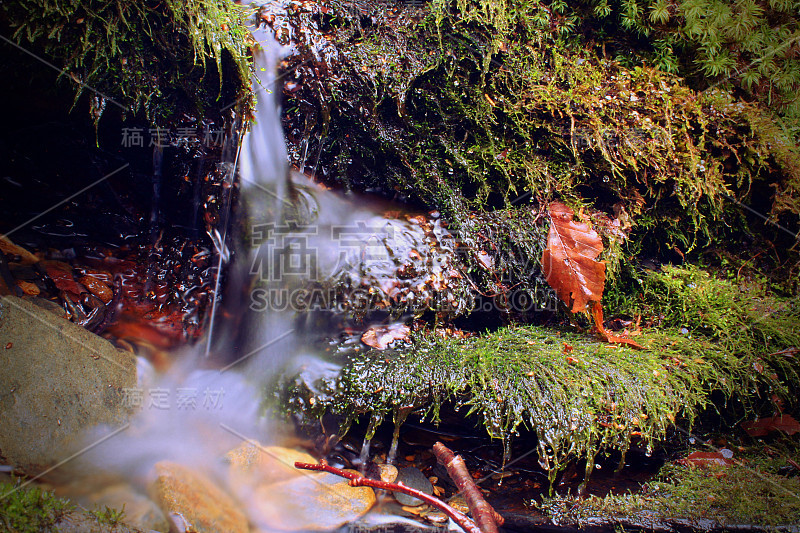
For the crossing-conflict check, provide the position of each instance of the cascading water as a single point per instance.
(294, 238)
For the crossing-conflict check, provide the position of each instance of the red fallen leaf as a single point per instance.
(63, 280)
(570, 260)
(706, 459)
(98, 288)
(597, 315)
(762, 426)
(28, 288)
(380, 337)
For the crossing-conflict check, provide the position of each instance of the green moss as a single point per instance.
(708, 341)
(750, 492)
(30, 510)
(744, 320)
(149, 57)
(748, 45)
(108, 516)
(579, 396)
(479, 106)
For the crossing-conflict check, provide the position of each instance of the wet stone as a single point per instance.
(56, 381)
(252, 462)
(140, 511)
(415, 479)
(192, 502)
(310, 502)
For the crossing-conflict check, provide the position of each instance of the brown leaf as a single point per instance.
(706, 459)
(97, 287)
(570, 260)
(597, 315)
(762, 426)
(28, 288)
(9, 248)
(380, 337)
(63, 280)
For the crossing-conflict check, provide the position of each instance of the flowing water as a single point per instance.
(297, 246)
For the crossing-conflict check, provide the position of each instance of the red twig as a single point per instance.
(357, 480)
(484, 514)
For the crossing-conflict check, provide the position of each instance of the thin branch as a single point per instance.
(485, 516)
(357, 480)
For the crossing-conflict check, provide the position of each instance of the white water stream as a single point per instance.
(294, 230)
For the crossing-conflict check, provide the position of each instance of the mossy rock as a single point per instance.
(161, 59)
(579, 395)
(755, 491)
(478, 106)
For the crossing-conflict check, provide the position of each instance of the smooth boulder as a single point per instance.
(56, 380)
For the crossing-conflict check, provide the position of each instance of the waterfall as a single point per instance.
(293, 241)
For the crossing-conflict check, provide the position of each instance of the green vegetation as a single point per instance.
(749, 45)
(752, 491)
(30, 509)
(582, 396)
(108, 516)
(673, 119)
(157, 58)
(487, 111)
(476, 107)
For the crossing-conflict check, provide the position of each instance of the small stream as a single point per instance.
(305, 259)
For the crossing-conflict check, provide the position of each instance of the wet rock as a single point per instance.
(192, 502)
(140, 511)
(415, 479)
(83, 522)
(310, 502)
(265, 464)
(56, 380)
(279, 496)
(388, 473)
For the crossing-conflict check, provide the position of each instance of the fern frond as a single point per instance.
(659, 12)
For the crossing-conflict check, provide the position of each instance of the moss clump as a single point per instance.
(150, 57)
(752, 492)
(742, 320)
(749, 45)
(30, 510)
(579, 396)
(108, 516)
(478, 106)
